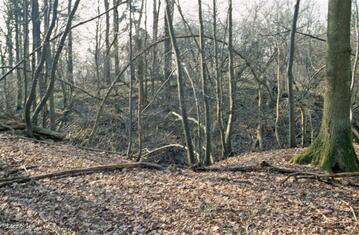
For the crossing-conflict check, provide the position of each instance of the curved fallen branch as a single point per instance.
(80, 171)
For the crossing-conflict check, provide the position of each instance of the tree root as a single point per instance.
(80, 171)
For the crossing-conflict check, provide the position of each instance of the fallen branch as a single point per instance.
(79, 172)
(11, 123)
(262, 167)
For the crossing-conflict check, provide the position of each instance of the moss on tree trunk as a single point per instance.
(333, 149)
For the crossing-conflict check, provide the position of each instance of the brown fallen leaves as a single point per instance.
(175, 201)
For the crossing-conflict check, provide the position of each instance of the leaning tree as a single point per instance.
(333, 149)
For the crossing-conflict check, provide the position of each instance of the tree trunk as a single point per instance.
(140, 78)
(107, 65)
(208, 159)
(277, 109)
(168, 51)
(303, 118)
(18, 55)
(37, 74)
(25, 48)
(70, 65)
(56, 59)
(132, 78)
(116, 35)
(217, 77)
(290, 77)
(231, 82)
(355, 64)
(155, 73)
(333, 150)
(48, 63)
(180, 87)
(260, 121)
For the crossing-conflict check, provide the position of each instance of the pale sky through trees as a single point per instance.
(88, 9)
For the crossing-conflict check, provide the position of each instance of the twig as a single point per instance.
(351, 209)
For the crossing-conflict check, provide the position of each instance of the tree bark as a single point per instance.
(333, 149)
(180, 87)
(37, 74)
(218, 79)
(277, 109)
(231, 82)
(107, 65)
(116, 36)
(290, 77)
(168, 50)
(154, 72)
(25, 48)
(19, 99)
(70, 65)
(132, 78)
(55, 61)
(208, 159)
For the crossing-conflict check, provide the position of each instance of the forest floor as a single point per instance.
(172, 201)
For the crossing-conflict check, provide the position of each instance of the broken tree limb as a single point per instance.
(79, 172)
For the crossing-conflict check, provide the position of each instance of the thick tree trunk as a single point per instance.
(333, 150)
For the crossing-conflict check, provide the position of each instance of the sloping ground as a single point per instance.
(174, 201)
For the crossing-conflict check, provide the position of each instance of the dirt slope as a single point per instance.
(174, 201)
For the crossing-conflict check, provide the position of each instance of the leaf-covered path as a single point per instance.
(174, 201)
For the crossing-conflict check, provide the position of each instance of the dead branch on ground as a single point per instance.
(79, 172)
